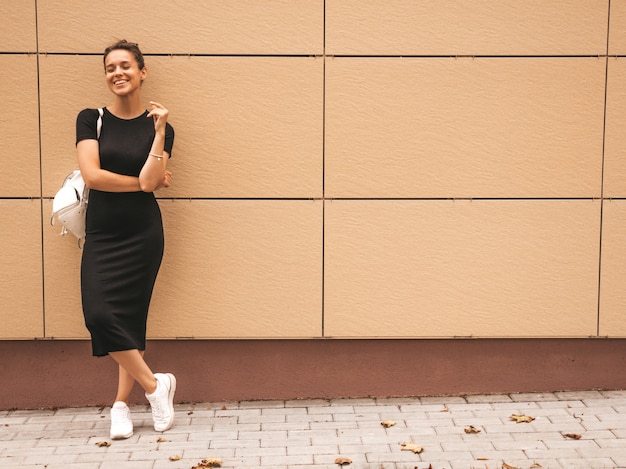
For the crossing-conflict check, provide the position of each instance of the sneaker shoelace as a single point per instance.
(119, 416)
(157, 410)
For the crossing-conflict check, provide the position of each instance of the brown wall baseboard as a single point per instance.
(60, 373)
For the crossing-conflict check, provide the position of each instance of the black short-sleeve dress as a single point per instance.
(124, 236)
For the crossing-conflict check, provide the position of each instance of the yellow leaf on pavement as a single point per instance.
(520, 418)
(208, 462)
(506, 466)
(412, 447)
(472, 429)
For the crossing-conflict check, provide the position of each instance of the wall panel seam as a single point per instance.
(336, 56)
(606, 86)
(323, 318)
(190, 55)
(43, 277)
(472, 56)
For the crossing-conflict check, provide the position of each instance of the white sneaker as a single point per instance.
(121, 424)
(162, 401)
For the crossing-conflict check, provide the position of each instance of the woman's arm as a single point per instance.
(98, 178)
(154, 173)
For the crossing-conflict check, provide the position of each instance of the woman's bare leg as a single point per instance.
(125, 384)
(134, 366)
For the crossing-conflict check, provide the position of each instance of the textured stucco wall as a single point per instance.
(341, 169)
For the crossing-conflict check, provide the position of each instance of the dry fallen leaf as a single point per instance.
(573, 436)
(506, 466)
(445, 409)
(174, 458)
(387, 423)
(412, 447)
(343, 461)
(102, 444)
(535, 465)
(482, 459)
(208, 462)
(472, 429)
(520, 418)
(223, 407)
(161, 440)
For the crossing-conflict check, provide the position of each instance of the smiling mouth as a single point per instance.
(120, 82)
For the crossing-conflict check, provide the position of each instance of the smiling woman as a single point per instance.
(124, 234)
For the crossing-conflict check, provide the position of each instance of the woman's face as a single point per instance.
(122, 72)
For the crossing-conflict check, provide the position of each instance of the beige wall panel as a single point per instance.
(183, 27)
(19, 126)
(617, 40)
(63, 95)
(239, 269)
(612, 285)
(245, 127)
(461, 268)
(464, 128)
(480, 27)
(18, 32)
(21, 306)
(615, 148)
(64, 314)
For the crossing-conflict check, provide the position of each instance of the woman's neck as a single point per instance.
(126, 107)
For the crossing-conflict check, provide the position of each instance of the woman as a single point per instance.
(124, 242)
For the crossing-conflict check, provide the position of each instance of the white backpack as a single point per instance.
(69, 206)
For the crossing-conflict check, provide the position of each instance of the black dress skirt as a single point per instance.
(124, 237)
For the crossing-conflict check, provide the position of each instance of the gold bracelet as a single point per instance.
(158, 157)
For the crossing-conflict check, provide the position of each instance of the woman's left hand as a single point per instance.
(167, 180)
(159, 114)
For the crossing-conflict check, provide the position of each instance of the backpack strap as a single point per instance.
(99, 123)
